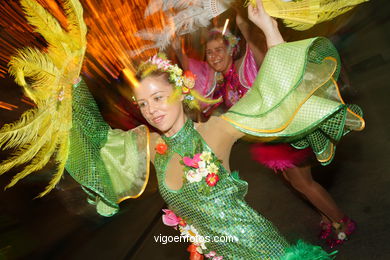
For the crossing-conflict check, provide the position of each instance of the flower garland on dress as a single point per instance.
(184, 82)
(188, 231)
(202, 168)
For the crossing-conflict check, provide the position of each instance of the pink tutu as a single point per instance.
(279, 156)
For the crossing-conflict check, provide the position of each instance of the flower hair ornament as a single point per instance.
(183, 82)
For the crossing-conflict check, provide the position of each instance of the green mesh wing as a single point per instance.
(111, 165)
(295, 98)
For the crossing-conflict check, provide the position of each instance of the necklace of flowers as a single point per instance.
(202, 168)
(186, 230)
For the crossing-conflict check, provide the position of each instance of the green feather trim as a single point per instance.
(305, 251)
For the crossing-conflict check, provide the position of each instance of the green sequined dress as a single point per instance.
(221, 210)
(294, 99)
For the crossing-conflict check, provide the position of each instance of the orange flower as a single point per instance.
(188, 74)
(161, 148)
(212, 179)
(185, 90)
(194, 254)
(182, 222)
(189, 80)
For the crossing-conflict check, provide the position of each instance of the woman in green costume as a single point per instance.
(294, 99)
(297, 102)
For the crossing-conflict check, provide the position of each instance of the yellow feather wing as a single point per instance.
(42, 133)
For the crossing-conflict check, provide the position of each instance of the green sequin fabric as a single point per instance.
(223, 211)
(87, 136)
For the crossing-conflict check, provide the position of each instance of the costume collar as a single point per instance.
(181, 136)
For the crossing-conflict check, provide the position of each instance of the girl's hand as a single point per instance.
(261, 18)
(266, 23)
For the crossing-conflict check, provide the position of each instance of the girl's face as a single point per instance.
(152, 96)
(218, 56)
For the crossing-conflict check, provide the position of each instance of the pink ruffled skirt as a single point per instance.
(279, 156)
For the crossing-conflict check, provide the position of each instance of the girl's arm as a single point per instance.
(266, 23)
(180, 53)
(254, 39)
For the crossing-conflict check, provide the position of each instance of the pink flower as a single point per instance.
(170, 218)
(192, 162)
(212, 179)
(218, 257)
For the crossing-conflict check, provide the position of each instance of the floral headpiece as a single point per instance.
(184, 82)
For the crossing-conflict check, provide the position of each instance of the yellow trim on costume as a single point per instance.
(147, 171)
(349, 110)
(330, 156)
(294, 114)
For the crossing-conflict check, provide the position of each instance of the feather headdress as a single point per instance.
(183, 17)
(189, 16)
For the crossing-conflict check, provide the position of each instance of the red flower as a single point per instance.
(212, 179)
(194, 254)
(182, 222)
(161, 148)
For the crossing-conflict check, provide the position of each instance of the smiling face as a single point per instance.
(152, 96)
(218, 55)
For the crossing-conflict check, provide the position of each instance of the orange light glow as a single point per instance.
(130, 77)
(7, 106)
(112, 25)
(111, 28)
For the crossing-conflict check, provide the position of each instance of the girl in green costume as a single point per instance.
(297, 102)
(294, 99)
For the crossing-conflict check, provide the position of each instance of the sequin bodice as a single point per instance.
(221, 210)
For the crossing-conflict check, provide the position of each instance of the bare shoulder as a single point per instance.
(221, 128)
(154, 136)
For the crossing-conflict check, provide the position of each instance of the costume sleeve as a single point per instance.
(295, 98)
(248, 69)
(204, 83)
(111, 165)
